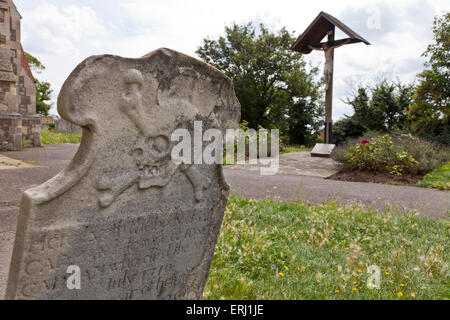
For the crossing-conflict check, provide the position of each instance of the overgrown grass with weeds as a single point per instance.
(439, 178)
(51, 137)
(269, 250)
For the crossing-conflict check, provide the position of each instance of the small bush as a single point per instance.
(346, 128)
(397, 153)
(340, 152)
(439, 178)
(379, 155)
(250, 139)
(430, 155)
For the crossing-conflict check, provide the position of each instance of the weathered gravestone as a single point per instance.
(137, 225)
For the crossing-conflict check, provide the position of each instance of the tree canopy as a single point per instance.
(381, 107)
(275, 86)
(43, 89)
(430, 111)
(35, 65)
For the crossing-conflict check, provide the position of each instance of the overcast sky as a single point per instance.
(62, 33)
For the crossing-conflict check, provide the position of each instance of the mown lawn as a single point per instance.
(51, 137)
(439, 178)
(270, 250)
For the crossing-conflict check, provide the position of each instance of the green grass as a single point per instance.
(289, 149)
(283, 149)
(439, 178)
(25, 143)
(270, 250)
(51, 137)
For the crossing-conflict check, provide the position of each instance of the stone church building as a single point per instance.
(18, 118)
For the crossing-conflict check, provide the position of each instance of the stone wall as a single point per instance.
(17, 89)
(31, 129)
(63, 126)
(10, 131)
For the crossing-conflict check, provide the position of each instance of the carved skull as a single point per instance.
(152, 154)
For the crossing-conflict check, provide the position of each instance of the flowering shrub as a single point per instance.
(379, 154)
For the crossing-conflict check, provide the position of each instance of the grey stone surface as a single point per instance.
(17, 88)
(323, 150)
(300, 164)
(136, 224)
(63, 126)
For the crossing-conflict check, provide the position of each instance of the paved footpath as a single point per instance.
(300, 178)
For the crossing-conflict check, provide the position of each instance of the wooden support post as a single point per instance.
(329, 64)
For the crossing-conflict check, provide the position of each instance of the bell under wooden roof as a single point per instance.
(319, 28)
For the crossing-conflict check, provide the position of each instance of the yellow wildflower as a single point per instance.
(337, 291)
(281, 274)
(402, 285)
(391, 282)
(286, 268)
(354, 289)
(400, 294)
(413, 294)
(406, 277)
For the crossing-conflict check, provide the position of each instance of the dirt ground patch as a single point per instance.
(377, 177)
(9, 164)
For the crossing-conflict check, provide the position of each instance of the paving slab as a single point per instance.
(323, 150)
(298, 164)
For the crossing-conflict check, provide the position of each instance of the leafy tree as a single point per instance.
(43, 89)
(365, 112)
(43, 94)
(347, 128)
(274, 85)
(35, 65)
(430, 111)
(382, 107)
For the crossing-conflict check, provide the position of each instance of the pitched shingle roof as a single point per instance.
(319, 29)
(25, 65)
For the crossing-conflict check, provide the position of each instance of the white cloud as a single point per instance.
(183, 24)
(52, 30)
(61, 33)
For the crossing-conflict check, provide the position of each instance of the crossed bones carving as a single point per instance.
(152, 153)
